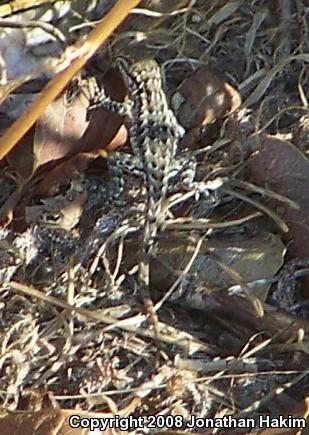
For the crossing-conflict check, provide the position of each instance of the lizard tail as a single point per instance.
(151, 228)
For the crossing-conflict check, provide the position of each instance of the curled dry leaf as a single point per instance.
(67, 128)
(206, 96)
(281, 167)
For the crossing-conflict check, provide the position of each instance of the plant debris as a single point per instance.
(229, 280)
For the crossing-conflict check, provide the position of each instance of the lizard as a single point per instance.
(155, 134)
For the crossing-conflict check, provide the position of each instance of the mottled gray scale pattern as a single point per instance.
(154, 134)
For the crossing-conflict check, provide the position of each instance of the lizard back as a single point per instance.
(154, 130)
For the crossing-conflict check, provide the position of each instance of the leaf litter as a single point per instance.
(74, 336)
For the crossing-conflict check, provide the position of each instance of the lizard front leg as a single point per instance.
(100, 99)
(120, 164)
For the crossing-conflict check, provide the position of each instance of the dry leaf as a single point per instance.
(66, 128)
(281, 167)
(207, 96)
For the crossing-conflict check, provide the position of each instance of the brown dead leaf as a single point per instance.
(206, 96)
(66, 128)
(20, 158)
(281, 167)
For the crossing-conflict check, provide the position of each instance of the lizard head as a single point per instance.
(136, 73)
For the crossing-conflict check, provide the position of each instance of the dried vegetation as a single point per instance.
(230, 277)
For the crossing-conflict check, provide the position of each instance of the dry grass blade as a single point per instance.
(223, 13)
(187, 224)
(232, 364)
(172, 336)
(251, 35)
(149, 13)
(262, 87)
(257, 304)
(20, 5)
(280, 222)
(266, 192)
(48, 28)
(182, 5)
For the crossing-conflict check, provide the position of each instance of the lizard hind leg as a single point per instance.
(208, 191)
(120, 164)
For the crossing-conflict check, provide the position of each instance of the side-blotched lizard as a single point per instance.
(155, 135)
